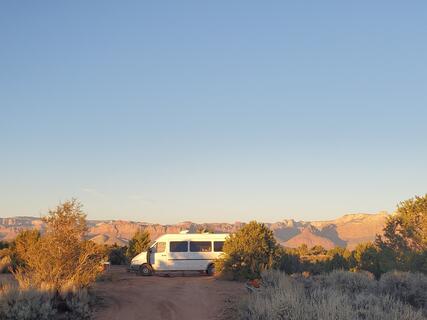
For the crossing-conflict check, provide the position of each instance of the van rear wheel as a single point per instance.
(210, 270)
(145, 270)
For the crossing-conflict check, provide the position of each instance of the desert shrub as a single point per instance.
(418, 261)
(284, 297)
(366, 257)
(404, 240)
(280, 298)
(61, 258)
(315, 260)
(19, 249)
(33, 304)
(27, 304)
(339, 259)
(406, 286)
(140, 242)
(4, 244)
(117, 254)
(349, 282)
(5, 261)
(317, 250)
(248, 252)
(289, 261)
(78, 304)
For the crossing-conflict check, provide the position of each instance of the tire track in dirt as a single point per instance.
(128, 296)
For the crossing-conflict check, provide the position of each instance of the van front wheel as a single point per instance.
(210, 270)
(145, 270)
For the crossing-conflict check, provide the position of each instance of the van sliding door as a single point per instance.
(201, 254)
(178, 256)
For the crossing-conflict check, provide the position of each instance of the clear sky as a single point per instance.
(165, 111)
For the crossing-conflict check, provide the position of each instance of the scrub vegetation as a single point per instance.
(122, 255)
(53, 270)
(384, 279)
(248, 252)
(338, 295)
(403, 247)
(140, 242)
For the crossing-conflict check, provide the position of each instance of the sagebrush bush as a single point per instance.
(406, 286)
(79, 304)
(33, 304)
(349, 282)
(324, 297)
(29, 304)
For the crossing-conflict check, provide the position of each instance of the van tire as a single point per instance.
(210, 271)
(145, 270)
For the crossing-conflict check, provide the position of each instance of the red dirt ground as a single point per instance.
(126, 296)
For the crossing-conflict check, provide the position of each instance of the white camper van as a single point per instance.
(180, 252)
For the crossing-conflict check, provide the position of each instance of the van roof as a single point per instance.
(193, 236)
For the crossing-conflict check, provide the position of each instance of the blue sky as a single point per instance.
(166, 111)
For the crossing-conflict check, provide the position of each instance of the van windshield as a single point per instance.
(158, 247)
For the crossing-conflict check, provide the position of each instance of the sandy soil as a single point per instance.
(124, 296)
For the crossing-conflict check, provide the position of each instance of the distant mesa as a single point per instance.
(309, 237)
(346, 231)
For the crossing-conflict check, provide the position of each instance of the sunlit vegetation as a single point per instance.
(248, 252)
(338, 295)
(53, 270)
(403, 246)
(122, 255)
(140, 242)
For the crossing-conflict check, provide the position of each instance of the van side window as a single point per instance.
(218, 246)
(200, 246)
(160, 247)
(178, 246)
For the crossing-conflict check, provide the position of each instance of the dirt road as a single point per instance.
(126, 296)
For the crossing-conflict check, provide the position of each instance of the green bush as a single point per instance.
(290, 262)
(248, 252)
(403, 243)
(140, 242)
(117, 255)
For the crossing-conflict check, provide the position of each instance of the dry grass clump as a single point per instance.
(338, 295)
(25, 304)
(33, 304)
